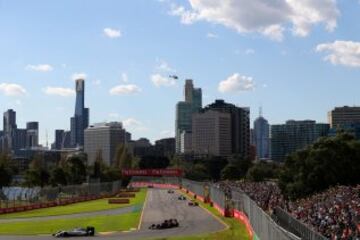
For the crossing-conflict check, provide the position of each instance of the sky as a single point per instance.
(297, 59)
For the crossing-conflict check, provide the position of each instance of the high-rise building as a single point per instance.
(80, 121)
(9, 121)
(240, 126)
(211, 133)
(294, 135)
(32, 134)
(166, 146)
(59, 137)
(261, 137)
(344, 116)
(184, 111)
(104, 138)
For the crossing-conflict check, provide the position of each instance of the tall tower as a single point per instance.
(261, 136)
(80, 121)
(184, 111)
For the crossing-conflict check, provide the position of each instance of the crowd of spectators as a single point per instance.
(334, 213)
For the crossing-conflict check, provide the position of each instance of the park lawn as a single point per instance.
(101, 223)
(90, 206)
(235, 231)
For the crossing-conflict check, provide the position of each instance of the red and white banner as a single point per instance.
(174, 172)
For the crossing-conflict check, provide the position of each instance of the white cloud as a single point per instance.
(345, 53)
(212, 35)
(77, 76)
(249, 51)
(126, 89)
(159, 81)
(12, 89)
(124, 77)
(59, 91)
(112, 33)
(236, 83)
(39, 68)
(164, 66)
(269, 18)
(134, 124)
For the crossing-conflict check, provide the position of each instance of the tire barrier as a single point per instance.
(119, 201)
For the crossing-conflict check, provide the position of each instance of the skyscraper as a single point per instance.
(261, 137)
(80, 121)
(184, 111)
(344, 116)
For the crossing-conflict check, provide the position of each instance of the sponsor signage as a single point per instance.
(173, 172)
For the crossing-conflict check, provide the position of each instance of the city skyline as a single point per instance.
(126, 61)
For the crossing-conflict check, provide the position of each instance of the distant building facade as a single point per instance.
(342, 116)
(184, 111)
(103, 138)
(240, 126)
(294, 135)
(166, 146)
(261, 138)
(211, 133)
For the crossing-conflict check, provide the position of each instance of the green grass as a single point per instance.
(90, 206)
(101, 223)
(236, 229)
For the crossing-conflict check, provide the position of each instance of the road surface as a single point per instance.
(160, 205)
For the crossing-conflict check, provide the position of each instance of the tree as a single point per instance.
(123, 159)
(214, 165)
(151, 161)
(328, 162)
(37, 175)
(58, 176)
(5, 170)
(230, 172)
(75, 169)
(261, 171)
(198, 172)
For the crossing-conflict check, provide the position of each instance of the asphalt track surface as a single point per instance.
(160, 205)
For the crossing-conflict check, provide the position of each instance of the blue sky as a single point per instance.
(296, 59)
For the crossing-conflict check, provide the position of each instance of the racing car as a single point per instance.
(193, 203)
(170, 191)
(171, 223)
(181, 197)
(76, 232)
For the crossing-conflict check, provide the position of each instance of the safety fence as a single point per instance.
(237, 204)
(288, 222)
(258, 222)
(196, 189)
(15, 199)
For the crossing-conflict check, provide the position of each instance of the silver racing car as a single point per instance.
(76, 232)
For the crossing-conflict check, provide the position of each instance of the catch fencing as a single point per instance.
(295, 226)
(258, 221)
(13, 197)
(197, 189)
(218, 198)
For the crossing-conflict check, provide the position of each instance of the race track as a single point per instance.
(160, 205)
